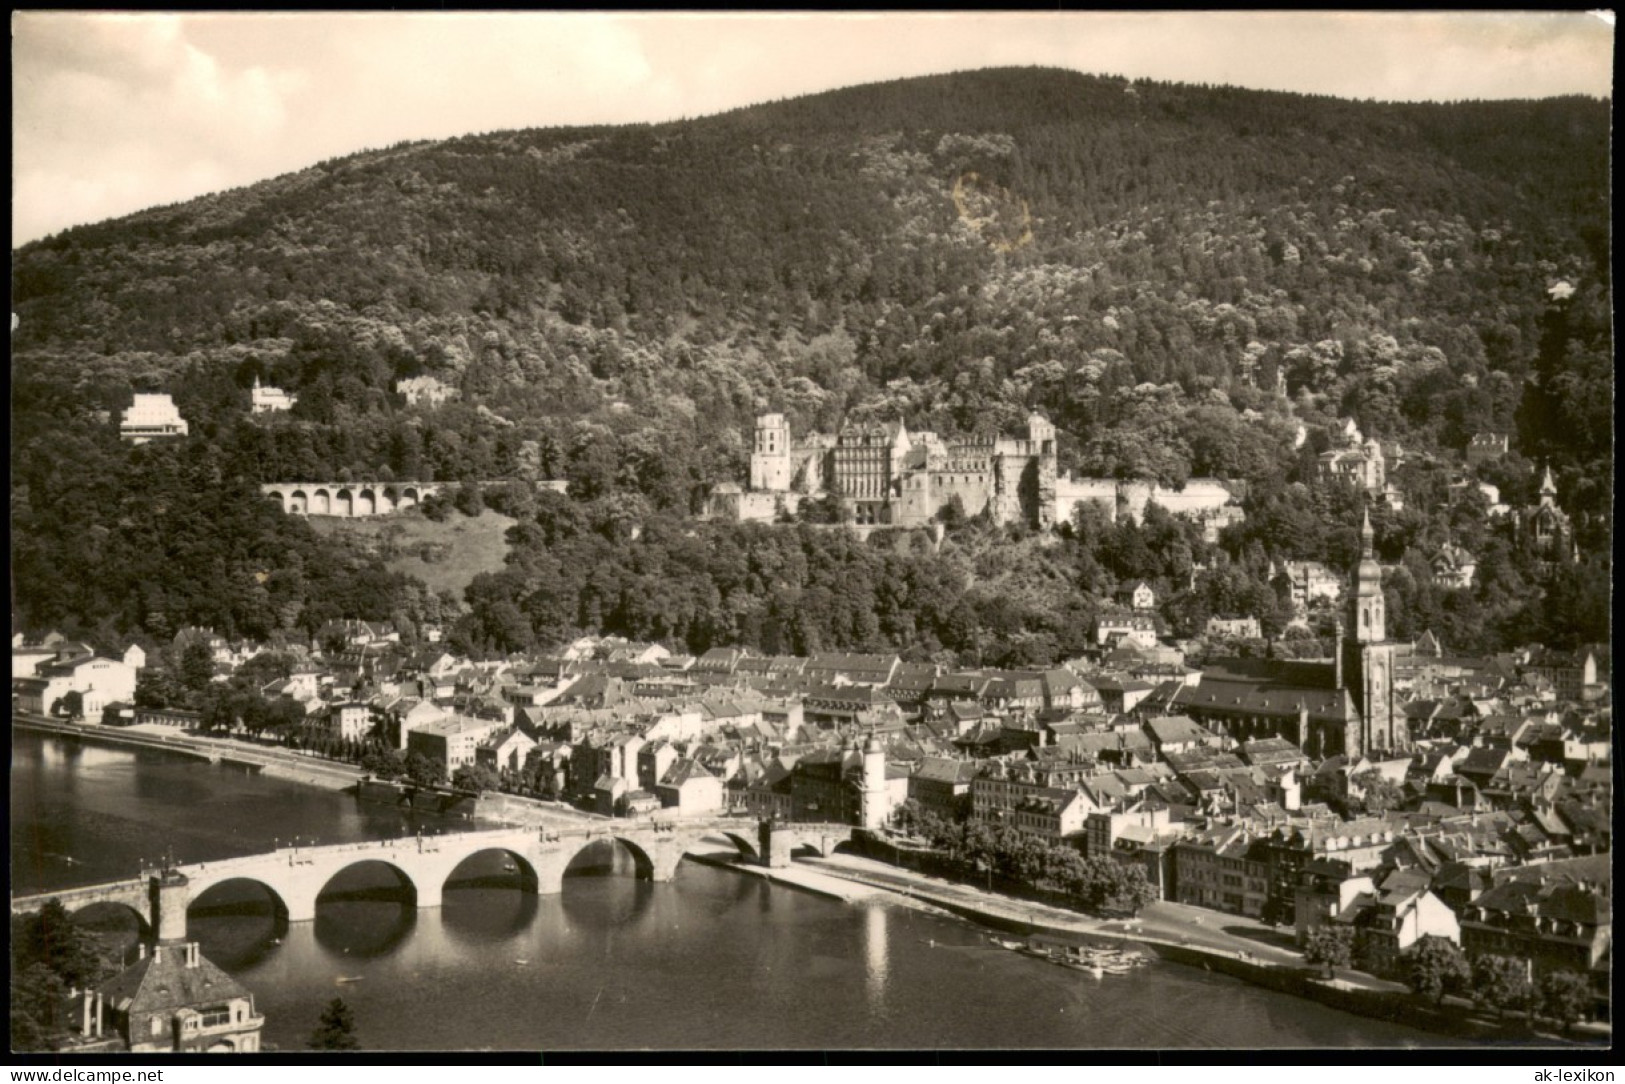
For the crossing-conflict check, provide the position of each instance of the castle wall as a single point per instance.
(1203, 498)
(1133, 497)
(1007, 474)
(915, 506)
(1071, 492)
(809, 470)
(974, 489)
(731, 503)
(1199, 495)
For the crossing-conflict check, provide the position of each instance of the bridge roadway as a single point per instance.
(296, 875)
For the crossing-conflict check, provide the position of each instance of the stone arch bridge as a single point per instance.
(296, 875)
(349, 499)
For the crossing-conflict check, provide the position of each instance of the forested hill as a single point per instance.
(1140, 261)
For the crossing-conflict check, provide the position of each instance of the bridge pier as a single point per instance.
(549, 862)
(663, 859)
(302, 908)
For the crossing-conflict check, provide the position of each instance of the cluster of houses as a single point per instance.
(1396, 788)
(1493, 828)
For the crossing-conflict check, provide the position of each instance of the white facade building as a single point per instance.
(98, 681)
(151, 417)
(269, 400)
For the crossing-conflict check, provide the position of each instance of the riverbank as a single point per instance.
(819, 884)
(272, 763)
(1210, 940)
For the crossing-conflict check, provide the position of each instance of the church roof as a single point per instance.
(1268, 687)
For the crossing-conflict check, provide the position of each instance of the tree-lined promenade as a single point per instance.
(973, 849)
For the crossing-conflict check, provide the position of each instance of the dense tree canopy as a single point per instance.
(1189, 281)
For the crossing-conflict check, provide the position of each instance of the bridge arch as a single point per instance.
(203, 885)
(321, 502)
(746, 845)
(105, 912)
(344, 502)
(405, 879)
(529, 876)
(409, 497)
(642, 861)
(297, 502)
(366, 503)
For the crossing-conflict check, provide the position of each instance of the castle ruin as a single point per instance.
(891, 477)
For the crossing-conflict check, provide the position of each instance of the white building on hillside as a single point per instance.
(425, 391)
(269, 400)
(151, 417)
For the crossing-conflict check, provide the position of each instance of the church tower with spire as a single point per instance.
(1368, 657)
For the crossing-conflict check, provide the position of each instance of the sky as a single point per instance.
(113, 113)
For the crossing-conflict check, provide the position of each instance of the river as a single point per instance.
(712, 960)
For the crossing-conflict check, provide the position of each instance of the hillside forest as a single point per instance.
(1189, 281)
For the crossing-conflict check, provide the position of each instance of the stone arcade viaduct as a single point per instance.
(296, 876)
(349, 499)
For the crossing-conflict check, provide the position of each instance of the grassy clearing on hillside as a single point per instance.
(457, 550)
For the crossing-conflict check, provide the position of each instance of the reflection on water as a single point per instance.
(876, 948)
(605, 902)
(475, 915)
(369, 928)
(238, 935)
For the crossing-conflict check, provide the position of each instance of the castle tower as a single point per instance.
(1548, 489)
(770, 458)
(872, 808)
(1368, 658)
(1041, 432)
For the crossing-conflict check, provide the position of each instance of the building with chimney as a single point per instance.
(172, 999)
